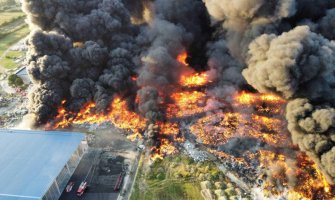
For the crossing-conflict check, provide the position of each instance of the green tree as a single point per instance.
(15, 81)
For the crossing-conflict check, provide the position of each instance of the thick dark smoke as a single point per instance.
(80, 51)
(177, 26)
(312, 128)
(94, 50)
(224, 69)
(285, 57)
(244, 20)
(299, 65)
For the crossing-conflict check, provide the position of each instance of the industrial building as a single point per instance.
(23, 74)
(38, 164)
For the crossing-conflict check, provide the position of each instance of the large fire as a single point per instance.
(195, 80)
(249, 117)
(182, 57)
(119, 115)
(186, 104)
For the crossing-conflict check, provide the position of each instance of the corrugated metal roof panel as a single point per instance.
(31, 160)
(22, 71)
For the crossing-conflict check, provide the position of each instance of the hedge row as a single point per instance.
(12, 20)
(11, 31)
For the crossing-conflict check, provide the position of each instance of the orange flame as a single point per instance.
(119, 115)
(195, 80)
(309, 183)
(186, 104)
(263, 123)
(182, 58)
(164, 148)
(245, 98)
(218, 128)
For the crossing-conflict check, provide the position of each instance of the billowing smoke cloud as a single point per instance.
(327, 26)
(80, 51)
(244, 20)
(312, 128)
(170, 33)
(284, 57)
(300, 66)
(298, 63)
(95, 50)
(225, 70)
(83, 51)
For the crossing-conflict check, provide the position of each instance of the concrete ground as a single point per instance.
(109, 154)
(86, 167)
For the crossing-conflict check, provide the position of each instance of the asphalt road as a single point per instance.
(79, 175)
(130, 179)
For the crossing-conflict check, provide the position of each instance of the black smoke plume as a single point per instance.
(93, 50)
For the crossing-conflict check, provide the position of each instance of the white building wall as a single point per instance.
(64, 176)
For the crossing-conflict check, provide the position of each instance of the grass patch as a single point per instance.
(13, 38)
(8, 63)
(192, 191)
(7, 17)
(136, 191)
(169, 179)
(14, 54)
(12, 26)
(8, 60)
(168, 190)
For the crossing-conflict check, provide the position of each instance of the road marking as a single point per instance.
(21, 196)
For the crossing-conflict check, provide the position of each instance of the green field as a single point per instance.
(12, 26)
(169, 179)
(169, 190)
(12, 29)
(178, 177)
(8, 59)
(7, 17)
(13, 38)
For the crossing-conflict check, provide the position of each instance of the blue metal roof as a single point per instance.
(22, 71)
(31, 160)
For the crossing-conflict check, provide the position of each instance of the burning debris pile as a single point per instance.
(251, 140)
(168, 69)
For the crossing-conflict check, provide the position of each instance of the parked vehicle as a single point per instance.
(69, 186)
(119, 181)
(82, 188)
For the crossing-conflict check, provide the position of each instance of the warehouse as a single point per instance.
(23, 74)
(37, 164)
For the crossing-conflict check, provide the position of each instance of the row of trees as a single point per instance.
(9, 3)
